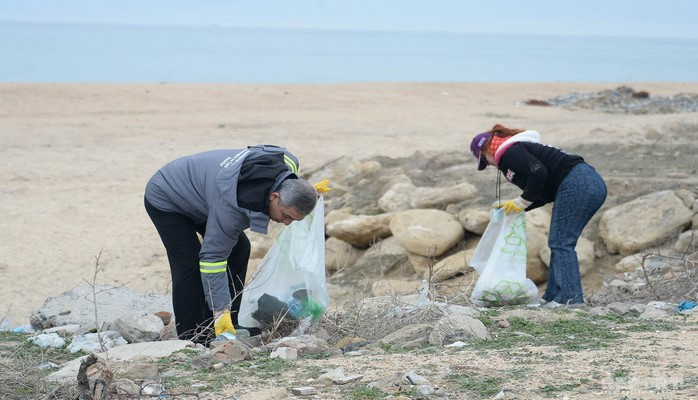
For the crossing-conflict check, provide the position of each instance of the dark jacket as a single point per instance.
(537, 169)
(229, 191)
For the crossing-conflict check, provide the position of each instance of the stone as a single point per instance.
(440, 197)
(304, 391)
(359, 230)
(644, 222)
(339, 254)
(428, 233)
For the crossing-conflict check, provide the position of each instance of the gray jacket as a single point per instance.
(204, 187)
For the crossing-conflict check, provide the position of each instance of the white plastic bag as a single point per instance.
(290, 281)
(500, 259)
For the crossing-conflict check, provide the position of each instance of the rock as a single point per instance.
(420, 264)
(303, 344)
(626, 100)
(137, 368)
(656, 310)
(126, 387)
(643, 222)
(475, 220)
(304, 391)
(687, 242)
(450, 266)
(394, 287)
(339, 254)
(457, 327)
(264, 394)
(634, 262)
(383, 256)
(426, 232)
(230, 351)
(119, 354)
(138, 327)
(397, 198)
(284, 353)
(410, 336)
(440, 197)
(75, 306)
(359, 230)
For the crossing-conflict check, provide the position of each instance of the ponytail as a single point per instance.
(502, 131)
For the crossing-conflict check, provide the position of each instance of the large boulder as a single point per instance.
(382, 256)
(76, 306)
(397, 198)
(644, 222)
(453, 265)
(358, 230)
(339, 254)
(426, 232)
(440, 197)
(475, 220)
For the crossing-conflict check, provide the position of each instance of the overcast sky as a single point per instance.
(652, 18)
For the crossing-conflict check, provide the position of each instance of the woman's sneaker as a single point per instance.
(555, 304)
(551, 304)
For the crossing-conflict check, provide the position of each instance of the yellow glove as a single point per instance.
(321, 187)
(223, 324)
(517, 205)
(511, 206)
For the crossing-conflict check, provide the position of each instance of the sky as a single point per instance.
(628, 18)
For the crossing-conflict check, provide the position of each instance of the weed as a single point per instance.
(621, 373)
(364, 392)
(478, 386)
(20, 361)
(689, 382)
(308, 372)
(429, 350)
(652, 326)
(409, 391)
(392, 349)
(554, 390)
(263, 368)
(520, 373)
(203, 380)
(568, 334)
(320, 355)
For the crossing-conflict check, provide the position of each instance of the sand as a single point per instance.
(75, 158)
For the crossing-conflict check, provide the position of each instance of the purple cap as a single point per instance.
(476, 148)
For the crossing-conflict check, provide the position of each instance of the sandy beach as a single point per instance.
(75, 158)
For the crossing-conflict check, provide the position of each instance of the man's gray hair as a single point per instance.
(298, 194)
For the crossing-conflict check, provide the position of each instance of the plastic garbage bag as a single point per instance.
(500, 259)
(290, 281)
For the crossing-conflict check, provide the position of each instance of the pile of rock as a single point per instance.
(623, 100)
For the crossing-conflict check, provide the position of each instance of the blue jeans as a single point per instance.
(579, 196)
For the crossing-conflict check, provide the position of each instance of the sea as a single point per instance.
(40, 52)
